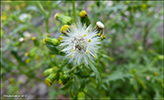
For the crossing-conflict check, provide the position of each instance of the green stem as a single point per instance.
(45, 15)
(49, 9)
(42, 9)
(152, 63)
(74, 13)
(73, 68)
(48, 16)
(88, 95)
(47, 29)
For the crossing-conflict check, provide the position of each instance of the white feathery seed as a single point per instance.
(81, 44)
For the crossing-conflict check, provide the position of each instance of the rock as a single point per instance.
(30, 96)
(22, 79)
(42, 89)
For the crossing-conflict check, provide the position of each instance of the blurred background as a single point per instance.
(134, 34)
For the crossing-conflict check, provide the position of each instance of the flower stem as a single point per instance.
(74, 12)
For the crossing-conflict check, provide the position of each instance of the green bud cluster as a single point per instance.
(52, 75)
(64, 78)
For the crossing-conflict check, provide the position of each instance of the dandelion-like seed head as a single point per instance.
(80, 44)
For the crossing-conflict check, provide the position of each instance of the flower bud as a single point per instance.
(51, 78)
(160, 57)
(27, 61)
(65, 29)
(36, 42)
(48, 71)
(81, 95)
(52, 41)
(33, 38)
(144, 5)
(53, 56)
(64, 78)
(103, 37)
(17, 43)
(99, 27)
(37, 57)
(12, 80)
(156, 73)
(84, 18)
(26, 54)
(63, 18)
(60, 38)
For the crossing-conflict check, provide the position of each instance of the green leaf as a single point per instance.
(116, 76)
(34, 8)
(20, 27)
(94, 69)
(66, 86)
(52, 48)
(82, 83)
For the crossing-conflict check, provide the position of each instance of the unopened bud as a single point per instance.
(160, 57)
(83, 13)
(37, 57)
(84, 18)
(48, 71)
(33, 38)
(103, 37)
(52, 41)
(27, 61)
(156, 73)
(81, 95)
(144, 5)
(65, 29)
(60, 38)
(53, 56)
(50, 79)
(54, 69)
(63, 18)
(64, 78)
(36, 42)
(26, 54)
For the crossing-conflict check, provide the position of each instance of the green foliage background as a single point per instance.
(131, 69)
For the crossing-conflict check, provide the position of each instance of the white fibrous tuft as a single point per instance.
(81, 44)
(100, 25)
